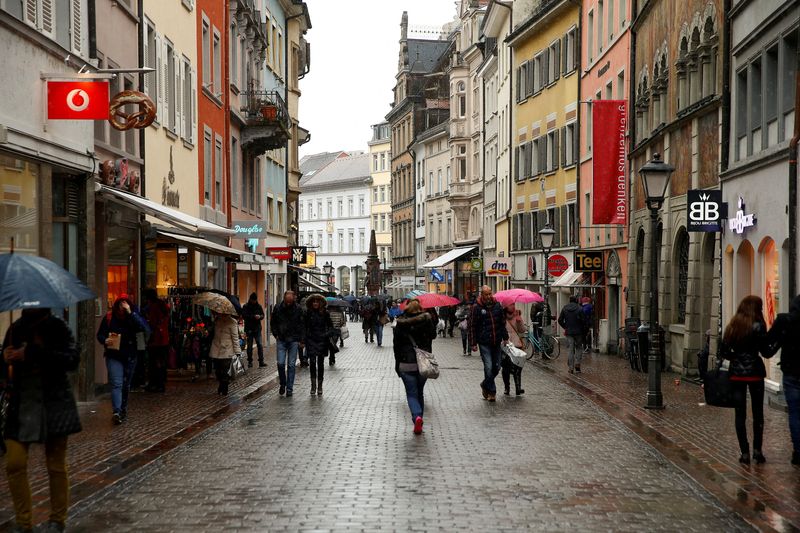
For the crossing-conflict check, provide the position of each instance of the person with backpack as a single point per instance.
(786, 331)
(156, 313)
(573, 320)
(117, 332)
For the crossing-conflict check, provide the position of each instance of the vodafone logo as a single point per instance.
(83, 98)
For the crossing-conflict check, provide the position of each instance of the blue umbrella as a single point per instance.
(31, 282)
(350, 298)
(336, 302)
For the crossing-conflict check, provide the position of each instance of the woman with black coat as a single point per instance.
(744, 339)
(38, 351)
(415, 328)
(319, 332)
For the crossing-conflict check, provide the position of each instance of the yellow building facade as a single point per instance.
(545, 141)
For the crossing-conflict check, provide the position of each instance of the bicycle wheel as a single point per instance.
(550, 347)
(528, 347)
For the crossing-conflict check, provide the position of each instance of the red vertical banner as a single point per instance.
(609, 161)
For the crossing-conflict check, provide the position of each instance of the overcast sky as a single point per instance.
(354, 54)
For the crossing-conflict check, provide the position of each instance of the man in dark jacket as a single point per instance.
(488, 332)
(253, 314)
(786, 330)
(573, 320)
(287, 326)
(156, 313)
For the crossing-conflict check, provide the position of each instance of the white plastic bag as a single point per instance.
(516, 355)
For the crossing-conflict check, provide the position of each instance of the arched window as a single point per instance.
(695, 89)
(462, 99)
(682, 262)
(681, 67)
(708, 53)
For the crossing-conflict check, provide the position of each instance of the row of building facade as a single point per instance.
(195, 200)
(491, 141)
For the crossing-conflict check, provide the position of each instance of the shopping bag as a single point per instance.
(237, 366)
(515, 355)
(344, 333)
(719, 390)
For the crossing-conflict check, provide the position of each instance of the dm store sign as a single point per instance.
(497, 266)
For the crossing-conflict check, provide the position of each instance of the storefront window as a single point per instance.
(771, 285)
(18, 213)
(121, 271)
(167, 270)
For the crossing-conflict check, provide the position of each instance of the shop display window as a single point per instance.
(19, 216)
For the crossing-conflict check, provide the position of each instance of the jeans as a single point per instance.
(415, 384)
(491, 366)
(119, 376)
(316, 366)
(251, 336)
(757, 401)
(222, 368)
(574, 350)
(791, 390)
(464, 340)
(55, 449)
(157, 367)
(378, 329)
(287, 361)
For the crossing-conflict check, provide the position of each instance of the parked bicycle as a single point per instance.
(545, 345)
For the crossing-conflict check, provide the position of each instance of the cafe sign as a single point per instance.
(250, 229)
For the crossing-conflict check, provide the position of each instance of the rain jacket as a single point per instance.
(487, 324)
(319, 328)
(572, 319)
(127, 327)
(418, 327)
(786, 331)
(287, 323)
(226, 338)
(249, 311)
(746, 363)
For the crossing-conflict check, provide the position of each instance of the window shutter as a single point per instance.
(526, 231)
(193, 107)
(576, 143)
(543, 154)
(563, 230)
(555, 150)
(516, 160)
(77, 27)
(564, 52)
(557, 60)
(575, 50)
(30, 15)
(180, 100)
(519, 86)
(48, 18)
(541, 219)
(531, 67)
(159, 78)
(529, 160)
(563, 146)
(148, 86)
(546, 63)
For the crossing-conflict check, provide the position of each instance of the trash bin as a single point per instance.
(643, 336)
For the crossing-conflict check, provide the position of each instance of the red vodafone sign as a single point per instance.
(557, 265)
(77, 100)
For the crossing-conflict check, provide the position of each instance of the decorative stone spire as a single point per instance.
(373, 267)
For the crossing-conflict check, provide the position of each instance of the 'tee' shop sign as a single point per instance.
(588, 261)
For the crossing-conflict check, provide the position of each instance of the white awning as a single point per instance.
(161, 212)
(568, 278)
(210, 247)
(449, 257)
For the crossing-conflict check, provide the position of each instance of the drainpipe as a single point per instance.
(631, 144)
(226, 68)
(725, 151)
(793, 182)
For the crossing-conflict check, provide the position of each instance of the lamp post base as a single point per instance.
(654, 401)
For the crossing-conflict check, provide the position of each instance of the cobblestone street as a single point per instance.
(550, 460)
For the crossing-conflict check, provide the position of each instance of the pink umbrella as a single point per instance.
(523, 296)
(429, 300)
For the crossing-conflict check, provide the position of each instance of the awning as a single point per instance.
(449, 257)
(210, 247)
(568, 278)
(166, 214)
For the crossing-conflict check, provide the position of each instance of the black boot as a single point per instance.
(518, 382)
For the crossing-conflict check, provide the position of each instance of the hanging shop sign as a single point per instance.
(139, 119)
(496, 266)
(705, 210)
(311, 260)
(77, 100)
(741, 221)
(531, 267)
(609, 193)
(250, 229)
(476, 264)
(116, 173)
(436, 276)
(557, 265)
(588, 261)
(281, 253)
(299, 255)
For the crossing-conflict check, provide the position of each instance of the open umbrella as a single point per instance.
(523, 296)
(415, 293)
(28, 282)
(336, 302)
(430, 300)
(233, 299)
(216, 302)
(350, 298)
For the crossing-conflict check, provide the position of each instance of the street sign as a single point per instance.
(586, 261)
(704, 210)
(557, 265)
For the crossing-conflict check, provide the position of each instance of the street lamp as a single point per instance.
(328, 269)
(655, 178)
(546, 235)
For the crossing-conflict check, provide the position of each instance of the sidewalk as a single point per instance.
(102, 453)
(699, 439)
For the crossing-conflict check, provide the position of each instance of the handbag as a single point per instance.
(384, 319)
(344, 333)
(427, 365)
(719, 390)
(237, 366)
(515, 355)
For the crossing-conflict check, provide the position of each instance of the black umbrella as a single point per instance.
(31, 282)
(350, 298)
(233, 299)
(336, 302)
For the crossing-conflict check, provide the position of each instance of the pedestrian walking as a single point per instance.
(224, 346)
(339, 321)
(515, 327)
(414, 329)
(573, 320)
(462, 316)
(156, 313)
(287, 327)
(588, 314)
(117, 332)
(744, 338)
(368, 320)
(319, 332)
(786, 331)
(253, 314)
(381, 319)
(38, 351)
(488, 333)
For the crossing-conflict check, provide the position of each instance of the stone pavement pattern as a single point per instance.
(347, 461)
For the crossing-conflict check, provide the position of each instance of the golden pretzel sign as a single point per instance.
(138, 119)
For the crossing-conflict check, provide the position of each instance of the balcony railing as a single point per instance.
(267, 121)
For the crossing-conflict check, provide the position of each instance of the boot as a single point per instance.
(313, 388)
(518, 385)
(319, 388)
(577, 369)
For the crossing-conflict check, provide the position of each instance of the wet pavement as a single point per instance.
(347, 461)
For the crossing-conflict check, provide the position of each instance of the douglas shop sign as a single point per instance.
(250, 229)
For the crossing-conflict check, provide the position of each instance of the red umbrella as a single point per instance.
(429, 300)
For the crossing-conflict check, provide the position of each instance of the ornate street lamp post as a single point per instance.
(655, 178)
(328, 269)
(546, 234)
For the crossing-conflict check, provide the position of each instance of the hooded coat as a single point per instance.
(487, 323)
(786, 332)
(318, 327)
(225, 343)
(572, 319)
(42, 403)
(412, 329)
